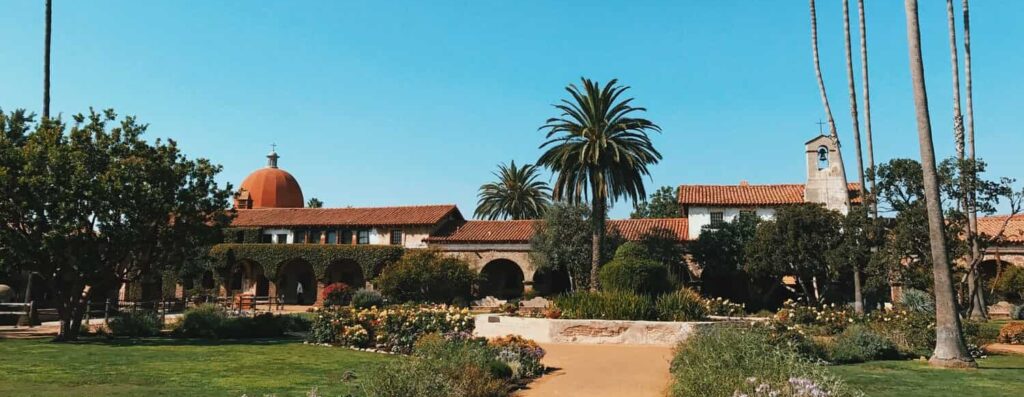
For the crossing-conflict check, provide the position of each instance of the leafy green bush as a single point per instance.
(136, 324)
(202, 321)
(606, 305)
(444, 366)
(859, 344)
(521, 355)
(212, 322)
(633, 271)
(917, 300)
(912, 332)
(365, 299)
(426, 276)
(394, 329)
(723, 307)
(731, 360)
(682, 305)
(1009, 286)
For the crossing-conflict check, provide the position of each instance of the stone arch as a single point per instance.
(206, 280)
(345, 271)
(502, 278)
(293, 272)
(246, 276)
(551, 281)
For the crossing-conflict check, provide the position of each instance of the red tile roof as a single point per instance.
(1014, 232)
(749, 195)
(421, 215)
(520, 232)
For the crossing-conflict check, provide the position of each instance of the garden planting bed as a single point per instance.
(545, 330)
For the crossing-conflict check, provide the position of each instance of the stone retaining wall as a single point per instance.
(543, 330)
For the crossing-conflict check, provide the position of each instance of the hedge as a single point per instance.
(319, 256)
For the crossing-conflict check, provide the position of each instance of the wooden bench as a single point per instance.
(20, 309)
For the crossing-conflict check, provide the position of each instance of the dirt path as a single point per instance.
(603, 370)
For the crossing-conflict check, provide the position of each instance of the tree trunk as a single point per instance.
(972, 208)
(950, 350)
(824, 98)
(46, 64)
(858, 303)
(69, 302)
(867, 103)
(597, 215)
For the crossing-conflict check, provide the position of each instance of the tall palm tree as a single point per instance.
(867, 101)
(600, 152)
(858, 300)
(46, 64)
(950, 350)
(977, 298)
(517, 194)
(824, 97)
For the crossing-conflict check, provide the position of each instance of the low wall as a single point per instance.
(544, 330)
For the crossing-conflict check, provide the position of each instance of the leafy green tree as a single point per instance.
(517, 194)
(796, 243)
(663, 247)
(95, 206)
(561, 242)
(858, 235)
(314, 203)
(426, 276)
(663, 203)
(721, 254)
(600, 153)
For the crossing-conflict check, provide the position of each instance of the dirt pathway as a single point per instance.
(603, 370)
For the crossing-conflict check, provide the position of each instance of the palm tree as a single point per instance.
(974, 282)
(46, 64)
(824, 97)
(950, 350)
(858, 300)
(600, 153)
(867, 101)
(517, 194)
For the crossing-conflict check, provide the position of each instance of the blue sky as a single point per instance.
(391, 103)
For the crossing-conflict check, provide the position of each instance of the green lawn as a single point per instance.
(997, 376)
(170, 367)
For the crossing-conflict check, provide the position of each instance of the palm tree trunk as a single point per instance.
(977, 299)
(824, 98)
(598, 217)
(867, 103)
(858, 301)
(950, 350)
(46, 64)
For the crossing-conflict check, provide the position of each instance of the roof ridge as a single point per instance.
(352, 208)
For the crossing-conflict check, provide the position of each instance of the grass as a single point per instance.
(171, 367)
(997, 376)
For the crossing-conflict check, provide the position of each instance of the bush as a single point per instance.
(859, 344)
(1012, 333)
(913, 333)
(365, 299)
(426, 276)
(201, 322)
(452, 366)
(136, 324)
(336, 294)
(1009, 286)
(632, 271)
(521, 355)
(918, 301)
(734, 360)
(682, 305)
(723, 307)
(395, 329)
(605, 305)
(212, 322)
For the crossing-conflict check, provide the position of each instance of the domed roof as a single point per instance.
(270, 187)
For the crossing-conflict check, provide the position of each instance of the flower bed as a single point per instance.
(393, 329)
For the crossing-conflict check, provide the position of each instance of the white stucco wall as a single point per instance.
(701, 216)
(412, 236)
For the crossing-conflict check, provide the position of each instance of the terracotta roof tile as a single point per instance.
(1014, 232)
(367, 216)
(753, 195)
(520, 232)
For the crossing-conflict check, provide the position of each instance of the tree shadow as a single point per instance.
(168, 341)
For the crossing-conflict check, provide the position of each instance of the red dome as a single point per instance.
(269, 187)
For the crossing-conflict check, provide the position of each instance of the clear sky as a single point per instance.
(416, 102)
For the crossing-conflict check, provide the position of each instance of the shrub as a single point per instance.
(912, 332)
(211, 322)
(365, 299)
(1017, 313)
(1012, 333)
(336, 294)
(918, 301)
(632, 271)
(452, 366)
(395, 329)
(426, 276)
(731, 360)
(520, 354)
(723, 307)
(682, 305)
(136, 324)
(826, 320)
(201, 322)
(1009, 286)
(859, 344)
(605, 305)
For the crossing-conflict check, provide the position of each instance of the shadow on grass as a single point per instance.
(169, 341)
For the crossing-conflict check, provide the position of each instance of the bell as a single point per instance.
(822, 154)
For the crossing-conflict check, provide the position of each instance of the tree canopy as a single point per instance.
(517, 194)
(663, 203)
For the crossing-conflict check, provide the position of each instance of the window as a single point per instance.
(396, 237)
(282, 238)
(266, 238)
(717, 219)
(346, 237)
(300, 236)
(363, 237)
(332, 237)
(313, 237)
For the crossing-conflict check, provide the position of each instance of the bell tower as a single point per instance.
(826, 182)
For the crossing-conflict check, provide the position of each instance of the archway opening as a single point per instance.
(247, 277)
(295, 276)
(551, 282)
(501, 278)
(345, 271)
